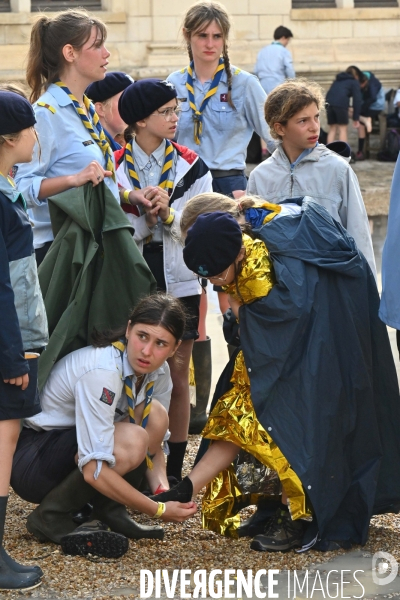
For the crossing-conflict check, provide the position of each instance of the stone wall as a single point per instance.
(144, 37)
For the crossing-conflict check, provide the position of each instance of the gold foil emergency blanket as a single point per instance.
(233, 419)
(256, 277)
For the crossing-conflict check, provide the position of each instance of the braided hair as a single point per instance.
(199, 17)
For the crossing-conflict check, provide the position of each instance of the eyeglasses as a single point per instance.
(216, 278)
(168, 112)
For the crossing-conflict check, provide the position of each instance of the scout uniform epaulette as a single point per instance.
(48, 106)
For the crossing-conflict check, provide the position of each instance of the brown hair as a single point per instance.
(48, 37)
(212, 202)
(288, 99)
(159, 309)
(199, 17)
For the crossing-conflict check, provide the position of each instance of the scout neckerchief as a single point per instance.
(99, 136)
(164, 183)
(7, 186)
(198, 114)
(129, 394)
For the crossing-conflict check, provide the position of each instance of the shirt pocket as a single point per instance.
(221, 115)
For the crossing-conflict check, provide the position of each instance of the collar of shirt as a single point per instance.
(142, 159)
(278, 44)
(62, 98)
(305, 153)
(7, 186)
(224, 78)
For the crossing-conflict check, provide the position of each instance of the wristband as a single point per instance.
(160, 510)
(125, 196)
(170, 218)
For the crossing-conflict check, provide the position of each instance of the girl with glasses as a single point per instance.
(313, 391)
(162, 176)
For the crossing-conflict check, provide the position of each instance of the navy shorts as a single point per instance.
(42, 460)
(227, 185)
(16, 403)
(337, 115)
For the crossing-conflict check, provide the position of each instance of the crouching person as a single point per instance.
(104, 408)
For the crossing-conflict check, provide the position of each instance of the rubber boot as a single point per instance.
(53, 518)
(10, 578)
(202, 373)
(117, 517)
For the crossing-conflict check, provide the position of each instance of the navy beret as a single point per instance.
(143, 97)
(16, 113)
(112, 84)
(341, 148)
(212, 244)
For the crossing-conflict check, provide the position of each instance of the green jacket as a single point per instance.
(93, 273)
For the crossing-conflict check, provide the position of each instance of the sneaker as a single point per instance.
(360, 155)
(281, 535)
(95, 538)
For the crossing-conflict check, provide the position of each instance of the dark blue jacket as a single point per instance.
(370, 92)
(342, 89)
(23, 323)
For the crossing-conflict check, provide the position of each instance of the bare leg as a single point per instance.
(202, 318)
(217, 458)
(156, 428)
(343, 133)
(9, 433)
(179, 410)
(223, 300)
(331, 133)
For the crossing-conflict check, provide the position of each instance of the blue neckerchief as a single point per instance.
(7, 186)
(113, 144)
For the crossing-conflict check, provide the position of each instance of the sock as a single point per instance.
(175, 459)
(284, 507)
(361, 144)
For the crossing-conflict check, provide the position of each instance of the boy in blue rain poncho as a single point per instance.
(324, 399)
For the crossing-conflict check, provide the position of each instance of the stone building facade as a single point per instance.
(144, 36)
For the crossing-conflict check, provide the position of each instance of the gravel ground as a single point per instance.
(185, 546)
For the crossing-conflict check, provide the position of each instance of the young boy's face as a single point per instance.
(302, 130)
(163, 122)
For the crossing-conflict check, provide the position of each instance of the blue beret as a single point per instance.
(143, 97)
(112, 84)
(16, 113)
(341, 148)
(212, 244)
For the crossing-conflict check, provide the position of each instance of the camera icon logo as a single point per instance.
(384, 568)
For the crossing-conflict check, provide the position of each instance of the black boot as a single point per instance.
(182, 492)
(256, 524)
(11, 578)
(53, 518)
(117, 517)
(201, 354)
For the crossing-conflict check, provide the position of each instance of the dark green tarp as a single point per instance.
(93, 273)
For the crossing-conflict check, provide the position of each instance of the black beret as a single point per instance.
(112, 84)
(143, 97)
(16, 113)
(341, 148)
(212, 244)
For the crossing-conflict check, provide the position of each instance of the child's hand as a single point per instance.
(22, 381)
(161, 199)
(178, 512)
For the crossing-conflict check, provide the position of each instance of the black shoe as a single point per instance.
(182, 492)
(281, 535)
(14, 580)
(95, 538)
(83, 515)
(259, 521)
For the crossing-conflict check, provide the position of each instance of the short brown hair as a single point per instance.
(288, 99)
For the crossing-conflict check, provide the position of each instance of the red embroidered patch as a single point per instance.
(223, 98)
(107, 396)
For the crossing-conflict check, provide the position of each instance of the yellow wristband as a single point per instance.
(125, 196)
(160, 510)
(170, 218)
